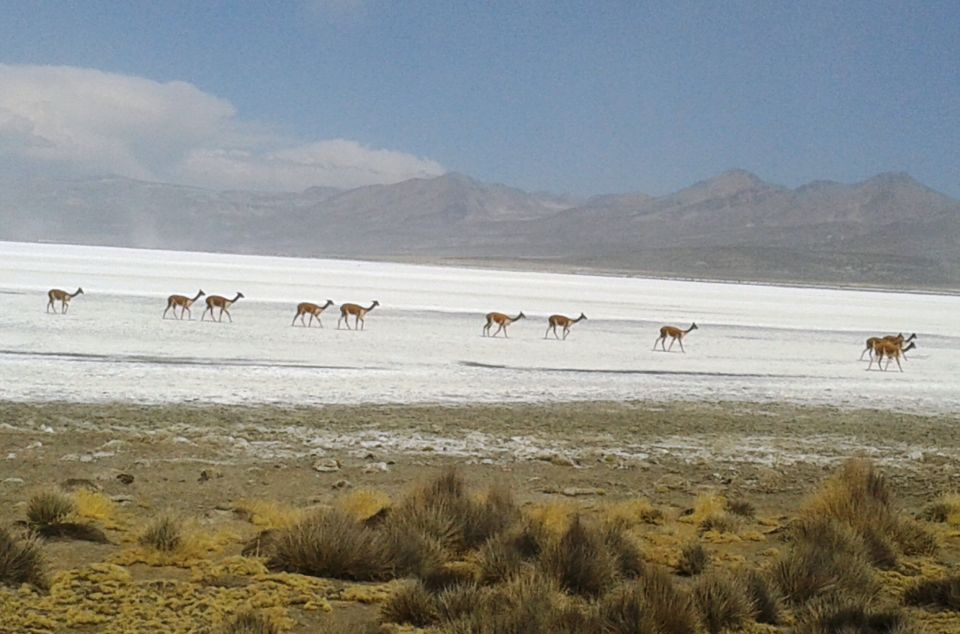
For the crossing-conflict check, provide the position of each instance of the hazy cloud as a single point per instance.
(84, 121)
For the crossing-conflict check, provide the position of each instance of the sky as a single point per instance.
(568, 97)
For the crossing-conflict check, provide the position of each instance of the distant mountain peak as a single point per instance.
(894, 178)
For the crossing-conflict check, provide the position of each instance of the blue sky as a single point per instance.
(568, 97)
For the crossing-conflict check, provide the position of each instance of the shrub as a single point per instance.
(331, 544)
(825, 555)
(941, 593)
(528, 602)
(48, 507)
(649, 604)
(694, 559)
(459, 601)
(840, 614)
(411, 551)
(722, 603)
(580, 560)
(163, 534)
(249, 623)
(630, 562)
(719, 522)
(499, 558)
(860, 497)
(741, 507)
(914, 538)
(443, 509)
(412, 604)
(21, 561)
(765, 600)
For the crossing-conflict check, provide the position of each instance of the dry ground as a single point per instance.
(229, 472)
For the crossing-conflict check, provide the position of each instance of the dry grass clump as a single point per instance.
(164, 534)
(824, 556)
(498, 559)
(21, 561)
(940, 593)
(366, 505)
(630, 561)
(330, 544)
(722, 602)
(47, 514)
(48, 507)
(837, 614)
(944, 510)
(443, 509)
(457, 602)
(411, 604)
(649, 604)
(765, 599)
(580, 560)
(528, 602)
(501, 557)
(741, 507)
(860, 497)
(694, 559)
(249, 622)
(633, 512)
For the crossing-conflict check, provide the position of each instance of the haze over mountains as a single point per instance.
(888, 230)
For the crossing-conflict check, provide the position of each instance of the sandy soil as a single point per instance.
(203, 462)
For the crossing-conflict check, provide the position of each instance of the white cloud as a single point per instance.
(84, 121)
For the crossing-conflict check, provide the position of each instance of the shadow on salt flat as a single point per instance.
(92, 357)
(741, 375)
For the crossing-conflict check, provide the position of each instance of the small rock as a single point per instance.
(34, 445)
(12, 456)
(562, 461)
(341, 484)
(122, 499)
(125, 478)
(327, 465)
(13, 481)
(581, 491)
(376, 467)
(369, 456)
(72, 484)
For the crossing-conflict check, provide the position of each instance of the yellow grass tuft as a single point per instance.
(364, 504)
(554, 517)
(708, 505)
(268, 514)
(95, 506)
(632, 513)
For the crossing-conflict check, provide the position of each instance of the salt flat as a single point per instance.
(424, 344)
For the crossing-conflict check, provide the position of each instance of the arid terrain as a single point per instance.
(732, 478)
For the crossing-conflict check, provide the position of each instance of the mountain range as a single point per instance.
(889, 230)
